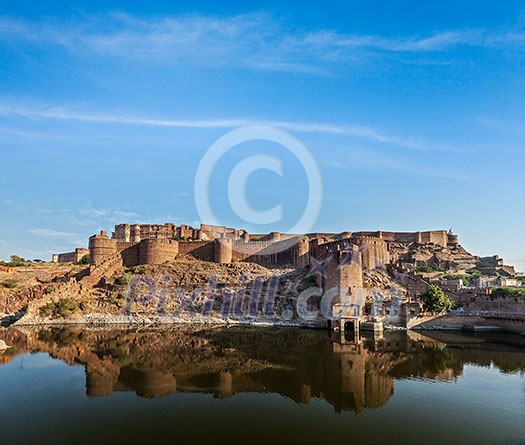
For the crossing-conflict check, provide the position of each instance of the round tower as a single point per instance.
(101, 247)
(223, 250)
(303, 251)
(374, 251)
(157, 251)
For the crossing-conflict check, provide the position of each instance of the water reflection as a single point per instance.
(350, 374)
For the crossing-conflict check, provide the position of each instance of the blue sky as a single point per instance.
(414, 112)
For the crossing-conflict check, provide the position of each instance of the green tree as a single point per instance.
(17, 260)
(84, 260)
(435, 300)
(467, 279)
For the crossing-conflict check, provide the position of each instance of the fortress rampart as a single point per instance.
(374, 251)
(157, 251)
(70, 257)
(438, 237)
(136, 244)
(101, 247)
(202, 250)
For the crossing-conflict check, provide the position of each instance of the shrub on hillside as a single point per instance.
(62, 308)
(84, 260)
(508, 291)
(466, 278)
(125, 279)
(16, 261)
(425, 269)
(10, 283)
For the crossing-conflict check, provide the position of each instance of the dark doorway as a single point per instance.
(349, 326)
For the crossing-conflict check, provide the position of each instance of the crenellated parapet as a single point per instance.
(155, 244)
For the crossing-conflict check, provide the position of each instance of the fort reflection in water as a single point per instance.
(298, 364)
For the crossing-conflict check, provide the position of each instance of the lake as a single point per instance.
(259, 385)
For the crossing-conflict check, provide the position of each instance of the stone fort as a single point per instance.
(137, 244)
(344, 256)
(341, 259)
(141, 244)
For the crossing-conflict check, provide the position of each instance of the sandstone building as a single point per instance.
(136, 244)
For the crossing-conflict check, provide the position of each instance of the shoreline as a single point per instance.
(134, 320)
(123, 321)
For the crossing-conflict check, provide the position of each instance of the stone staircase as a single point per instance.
(96, 273)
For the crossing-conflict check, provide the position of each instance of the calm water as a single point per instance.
(244, 385)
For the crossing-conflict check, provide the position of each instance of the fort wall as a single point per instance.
(157, 251)
(154, 243)
(202, 250)
(374, 251)
(212, 232)
(293, 251)
(439, 237)
(254, 251)
(476, 300)
(168, 231)
(130, 253)
(71, 257)
(320, 251)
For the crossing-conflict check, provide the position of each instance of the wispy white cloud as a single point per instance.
(85, 219)
(68, 237)
(27, 134)
(50, 233)
(7, 202)
(256, 41)
(365, 132)
(500, 125)
(439, 41)
(180, 195)
(361, 159)
(90, 216)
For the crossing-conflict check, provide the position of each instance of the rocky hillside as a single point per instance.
(180, 290)
(31, 281)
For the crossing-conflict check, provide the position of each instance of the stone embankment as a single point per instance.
(472, 322)
(94, 319)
